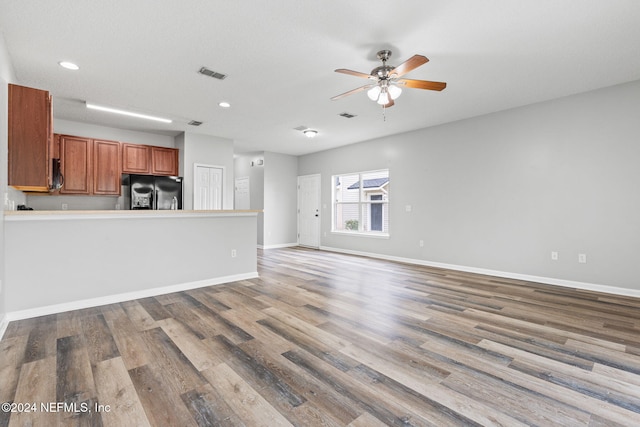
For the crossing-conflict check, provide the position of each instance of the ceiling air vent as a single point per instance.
(347, 115)
(195, 123)
(211, 73)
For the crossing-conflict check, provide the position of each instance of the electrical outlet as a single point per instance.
(65, 206)
(233, 253)
(408, 208)
(554, 256)
(582, 258)
(421, 243)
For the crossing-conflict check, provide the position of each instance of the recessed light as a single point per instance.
(224, 104)
(68, 65)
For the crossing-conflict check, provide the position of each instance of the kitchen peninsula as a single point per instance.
(62, 260)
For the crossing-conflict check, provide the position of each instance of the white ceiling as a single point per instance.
(279, 56)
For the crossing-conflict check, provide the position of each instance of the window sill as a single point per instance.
(362, 234)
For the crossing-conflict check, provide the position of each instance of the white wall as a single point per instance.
(280, 200)
(209, 150)
(502, 191)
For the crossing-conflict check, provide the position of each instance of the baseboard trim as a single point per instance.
(538, 279)
(278, 246)
(4, 322)
(112, 299)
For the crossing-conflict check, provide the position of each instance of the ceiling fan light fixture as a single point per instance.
(383, 99)
(394, 91)
(374, 93)
(387, 80)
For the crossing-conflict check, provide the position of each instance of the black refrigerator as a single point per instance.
(154, 192)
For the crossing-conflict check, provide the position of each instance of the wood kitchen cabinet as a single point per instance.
(76, 162)
(90, 166)
(136, 159)
(106, 168)
(30, 134)
(149, 160)
(164, 161)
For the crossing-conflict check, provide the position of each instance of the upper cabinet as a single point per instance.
(76, 164)
(106, 168)
(149, 160)
(90, 167)
(30, 137)
(164, 161)
(136, 159)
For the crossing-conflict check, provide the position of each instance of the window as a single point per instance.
(361, 203)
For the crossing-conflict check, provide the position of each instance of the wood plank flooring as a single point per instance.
(324, 339)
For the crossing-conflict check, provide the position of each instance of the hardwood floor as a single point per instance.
(328, 339)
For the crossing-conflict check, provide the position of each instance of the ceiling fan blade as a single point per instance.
(354, 73)
(352, 91)
(410, 64)
(422, 84)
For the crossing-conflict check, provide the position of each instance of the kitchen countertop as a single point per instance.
(120, 214)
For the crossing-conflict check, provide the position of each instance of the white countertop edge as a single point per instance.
(121, 214)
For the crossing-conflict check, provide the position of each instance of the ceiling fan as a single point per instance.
(385, 87)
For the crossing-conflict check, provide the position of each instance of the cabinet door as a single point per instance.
(164, 161)
(106, 168)
(75, 162)
(136, 159)
(29, 136)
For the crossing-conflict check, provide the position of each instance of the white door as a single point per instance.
(309, 211)
(207, 187)
(241, 194)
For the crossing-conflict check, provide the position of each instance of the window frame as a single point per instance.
(364, 204)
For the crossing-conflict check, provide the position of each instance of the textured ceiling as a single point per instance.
(280, 55)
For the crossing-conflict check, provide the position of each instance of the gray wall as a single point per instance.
(209, 150)
(79, 259)
(502, 191)
(280, 200)
(6, 76)
(273, 189)
(87, 130)
(243, 168)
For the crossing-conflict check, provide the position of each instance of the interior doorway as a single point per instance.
(241, 196)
